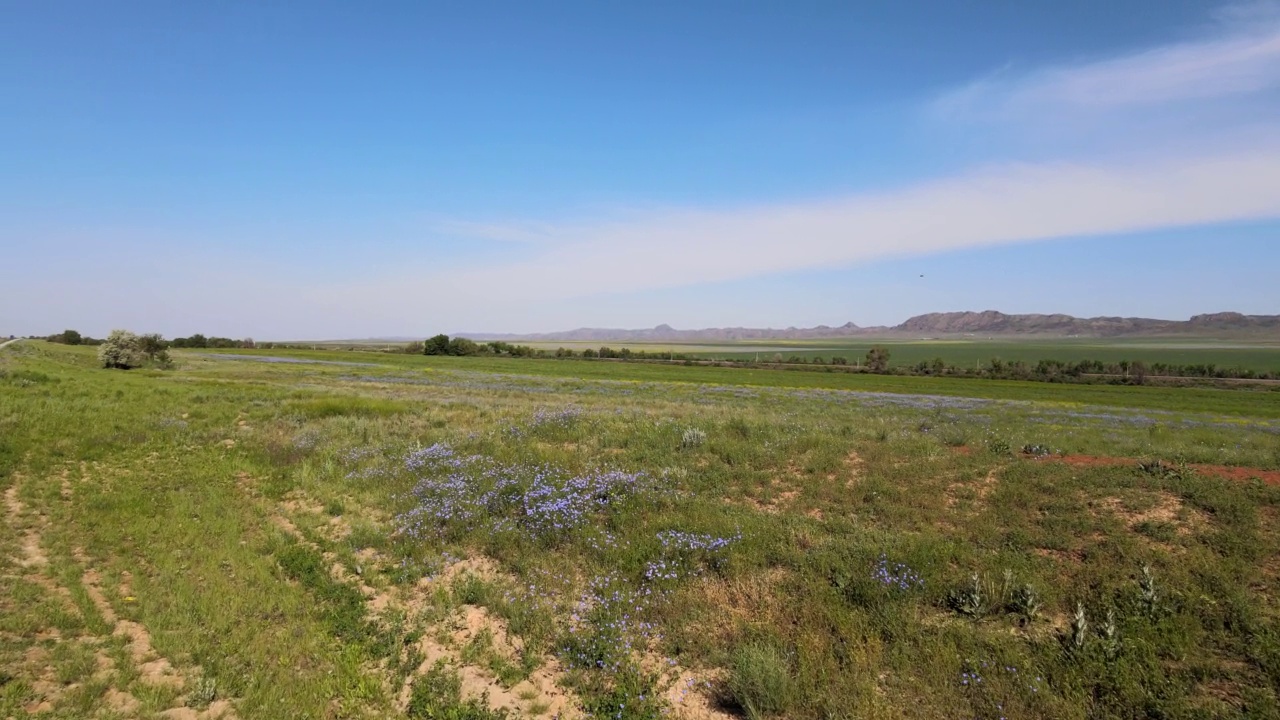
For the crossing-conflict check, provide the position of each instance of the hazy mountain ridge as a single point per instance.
(986, 323)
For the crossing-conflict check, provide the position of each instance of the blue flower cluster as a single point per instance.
(973, 680)
(896, 576)
(356, 459)
(687, 553)
(609, 626)
(433, 456)
(557, 418)
(306, 440)
(458, 493)
(681, 541)
(355, 455)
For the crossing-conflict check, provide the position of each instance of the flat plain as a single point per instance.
(1260, 356)
(358, 535)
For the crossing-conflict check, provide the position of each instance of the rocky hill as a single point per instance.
(989, 323)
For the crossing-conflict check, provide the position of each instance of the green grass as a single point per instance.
(327, 407)
(245, 515)
(1251, 403)
(969, 353)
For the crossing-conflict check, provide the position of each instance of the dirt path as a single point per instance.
(7, 343)
(149, 669)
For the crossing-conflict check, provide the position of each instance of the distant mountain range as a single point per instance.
(1225, 325)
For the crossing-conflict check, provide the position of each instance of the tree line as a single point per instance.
(73, 337)
(876, 360)
(152, 349)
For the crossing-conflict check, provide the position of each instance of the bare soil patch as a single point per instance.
(1225, 472)
(853, 464)
(1168, 509)
(982, 489)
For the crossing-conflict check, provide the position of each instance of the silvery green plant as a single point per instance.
(1110, 634)
(1148, 594)
(1026, 602)
(204, 693)
(1038, 450)
(971, 600)
(1006, 587)
(1079, 629)
(692, 438)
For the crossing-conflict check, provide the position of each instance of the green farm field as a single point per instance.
(1260, 356)
(336, 534)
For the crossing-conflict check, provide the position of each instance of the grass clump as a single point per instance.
(761, 680)
(341, 605)
(437, 695)
(354, 406)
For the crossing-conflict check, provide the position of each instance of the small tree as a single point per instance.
(67, 337)
(461, 346)
(878, 359)
(438, 345)
(122, 350)
(1138, 371)
(153, 345)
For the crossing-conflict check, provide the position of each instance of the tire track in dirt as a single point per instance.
(32, 556)
(29, 544)
(152, 668)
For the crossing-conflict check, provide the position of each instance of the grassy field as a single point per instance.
(1261, 402)
(972, 353)
(381, 536)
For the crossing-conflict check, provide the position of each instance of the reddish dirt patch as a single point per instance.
(1167, 509)
(1226, 472)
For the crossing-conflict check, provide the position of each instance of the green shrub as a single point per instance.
(24, 377)
(760, 679)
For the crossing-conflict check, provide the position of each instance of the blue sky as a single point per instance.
(309, 170)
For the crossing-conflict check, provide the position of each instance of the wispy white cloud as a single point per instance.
(1241, 57)
(997, 205)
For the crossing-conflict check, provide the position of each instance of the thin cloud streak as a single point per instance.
(1243, 58)
(1002, 205)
